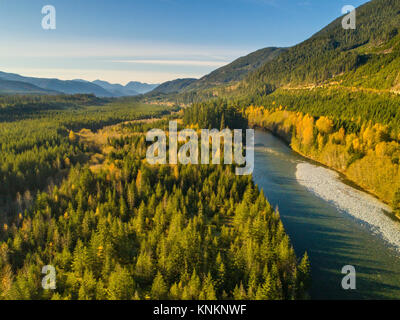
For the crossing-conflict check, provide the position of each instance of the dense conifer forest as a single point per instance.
(122, 229)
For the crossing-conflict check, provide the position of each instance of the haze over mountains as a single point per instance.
(11, 83)
(133, 88)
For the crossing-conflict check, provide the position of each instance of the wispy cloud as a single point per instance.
(176, 62)
(120, 50)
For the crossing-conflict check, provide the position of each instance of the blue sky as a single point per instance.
(151, 40)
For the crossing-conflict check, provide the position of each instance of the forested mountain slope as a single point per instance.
(231, 73)
(367, 57)
(334, 50)
(171, 87)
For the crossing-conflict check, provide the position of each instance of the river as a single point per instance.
(319, 220)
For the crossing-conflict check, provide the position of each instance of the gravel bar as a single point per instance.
(365, 208)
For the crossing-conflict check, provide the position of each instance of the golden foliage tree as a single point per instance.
(324, 125)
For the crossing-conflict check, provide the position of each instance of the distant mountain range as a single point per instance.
(174, 86)
(133, 88)
(11, 83)
(140, 87)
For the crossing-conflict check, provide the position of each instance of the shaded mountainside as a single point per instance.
(233, 72)
(18, 87)
(238, 69)
(173, 86)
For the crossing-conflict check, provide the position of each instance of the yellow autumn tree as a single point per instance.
(380, 149)
(324, 125)
(369, 136)
(72, 136)
(6, 280)
(139, 180)
(176, 172)
(339, 137)
(320, 140)
(299, 125)
(308, 130)
(356, 144)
